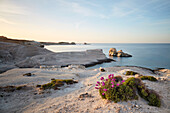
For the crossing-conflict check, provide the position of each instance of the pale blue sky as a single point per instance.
(100, 21)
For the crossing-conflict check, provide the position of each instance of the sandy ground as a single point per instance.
(32, 100)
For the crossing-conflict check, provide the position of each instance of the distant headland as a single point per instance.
(32, 42)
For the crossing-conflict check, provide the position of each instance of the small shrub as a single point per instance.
(55, 83)
(116, 89)
(154, 99)
(130, 73)
(150, 78)
(19, 87)
(38, 85)
(118, 78)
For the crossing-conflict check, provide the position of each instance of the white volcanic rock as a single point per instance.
(64, 58)
(18, 55)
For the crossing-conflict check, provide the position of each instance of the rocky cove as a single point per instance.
(25, 69)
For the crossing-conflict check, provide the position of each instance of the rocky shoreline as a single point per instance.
(18, 55)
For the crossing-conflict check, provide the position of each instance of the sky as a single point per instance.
(92, 21)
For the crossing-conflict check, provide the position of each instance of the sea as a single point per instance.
(151, 56)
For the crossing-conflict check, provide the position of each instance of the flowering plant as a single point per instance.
(112, 88)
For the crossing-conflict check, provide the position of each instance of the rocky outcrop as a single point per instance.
(120, 53)
(85, 58)
(14, 55)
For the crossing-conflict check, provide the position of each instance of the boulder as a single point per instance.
(102, 69)
(112, 52)
(28, 74)
(120, 53)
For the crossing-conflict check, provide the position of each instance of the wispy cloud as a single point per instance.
(8, 8)
(78, 24)
(128, 7)
(6, 21)
(75, 7)
(160, 22)
(83, 8)
(9, 11)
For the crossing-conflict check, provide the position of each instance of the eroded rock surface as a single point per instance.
(14, 55)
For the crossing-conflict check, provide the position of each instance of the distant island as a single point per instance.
(59, 43)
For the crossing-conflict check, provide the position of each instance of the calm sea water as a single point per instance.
(145, 55)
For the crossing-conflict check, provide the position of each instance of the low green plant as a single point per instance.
(121, 90)
(55, 83)
(154, 99)
(114, 89)
(130, 73)
(150, 78)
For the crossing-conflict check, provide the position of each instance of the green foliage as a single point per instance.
(117, 93)
(130, 82)
(127, 91)
(55, 83)
(151, 78)
(19, 87)
(130, 73)
(118, 78)
(154, 99)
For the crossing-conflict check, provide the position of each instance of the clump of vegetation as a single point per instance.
(130, 73)
(114, 89)
(12, 88)
(118, 78)
(119, 90)
(149, 95)
(150, 78)
(55, 83)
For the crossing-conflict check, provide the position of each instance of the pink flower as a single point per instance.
(105, 89)
(96, 88)
(98, 82)
(97, 85)
(123, 81)
(103, 94)
(101, 78)
(117, 84)
(113, 79)
(112, 75)
(106, 79)
(109, 75)
(112, 85)
(103, 83)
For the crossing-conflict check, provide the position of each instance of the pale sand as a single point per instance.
(67, 99)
